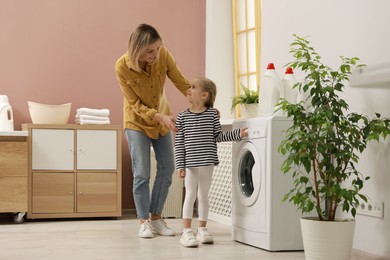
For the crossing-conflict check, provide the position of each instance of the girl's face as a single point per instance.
(151, 52)
(196, 94)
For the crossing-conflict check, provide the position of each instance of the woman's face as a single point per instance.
(151, 52)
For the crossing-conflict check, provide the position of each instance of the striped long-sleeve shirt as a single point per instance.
(196, 140)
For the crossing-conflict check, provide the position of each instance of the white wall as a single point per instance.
(349, 28)
(335, 27)
(219, 53)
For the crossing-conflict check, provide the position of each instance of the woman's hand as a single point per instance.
(218, 114)
(168, 121)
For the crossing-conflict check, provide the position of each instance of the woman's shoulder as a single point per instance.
(164, 50)
(121, 62)
(164, 53)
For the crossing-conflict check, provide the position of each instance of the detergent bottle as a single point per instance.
(289, 80)
(6, 115)
(271, 89)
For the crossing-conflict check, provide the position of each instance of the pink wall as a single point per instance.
(59, 51)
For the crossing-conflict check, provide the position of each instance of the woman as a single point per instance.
(141, 73)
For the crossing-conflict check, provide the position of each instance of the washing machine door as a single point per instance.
(247, 173)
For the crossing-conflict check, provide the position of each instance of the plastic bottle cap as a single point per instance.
(289, 71)
(270, 66)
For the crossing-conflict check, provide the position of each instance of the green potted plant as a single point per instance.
(322, 146)
(249, 101)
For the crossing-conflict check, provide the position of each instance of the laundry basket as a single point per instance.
(173, 204)
(49, 114)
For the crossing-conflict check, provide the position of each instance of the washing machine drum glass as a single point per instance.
(245, 174)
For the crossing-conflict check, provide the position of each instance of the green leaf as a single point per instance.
(321, 147)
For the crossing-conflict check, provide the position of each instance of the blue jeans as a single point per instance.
(139, 146)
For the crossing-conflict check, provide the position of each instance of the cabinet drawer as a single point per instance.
(96, 149)
(52, 149)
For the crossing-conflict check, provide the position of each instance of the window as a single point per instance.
(246, 33)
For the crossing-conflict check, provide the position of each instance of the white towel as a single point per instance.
(88, 117)
(92, 122)
(93, 112)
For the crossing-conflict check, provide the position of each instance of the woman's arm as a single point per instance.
(175, 75)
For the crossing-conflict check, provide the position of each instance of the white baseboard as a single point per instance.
(361, 255)
(220, 219)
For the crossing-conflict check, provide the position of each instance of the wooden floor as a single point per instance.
(115, 239)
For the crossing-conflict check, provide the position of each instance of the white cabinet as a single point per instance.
(75, 171)
(96, 149)
(52, 149)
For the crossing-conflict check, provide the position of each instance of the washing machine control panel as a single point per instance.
(256, 132)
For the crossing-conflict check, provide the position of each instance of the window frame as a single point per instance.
(239, 74)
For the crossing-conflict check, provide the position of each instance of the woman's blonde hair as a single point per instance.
(208, 86)
(140, 38)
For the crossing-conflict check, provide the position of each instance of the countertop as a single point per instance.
(13, 133)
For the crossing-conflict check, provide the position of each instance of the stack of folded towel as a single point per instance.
(90, 116)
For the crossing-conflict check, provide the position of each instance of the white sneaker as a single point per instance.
(188, 239)
(145, 230)
(203, 236)
(160, 227)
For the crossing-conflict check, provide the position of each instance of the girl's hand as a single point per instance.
(244, 132)
(181, 173)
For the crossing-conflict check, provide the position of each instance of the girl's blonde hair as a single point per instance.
(208, 86)
(140, 38)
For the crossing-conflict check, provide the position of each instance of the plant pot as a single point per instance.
(249, 110)
(325, 240)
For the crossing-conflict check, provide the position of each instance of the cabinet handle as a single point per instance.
(71, 193)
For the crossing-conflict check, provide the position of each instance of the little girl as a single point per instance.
(196, 155)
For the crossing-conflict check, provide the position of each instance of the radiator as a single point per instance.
(220, 194)
(173, 204)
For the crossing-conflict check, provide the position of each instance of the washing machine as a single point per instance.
(259, 217)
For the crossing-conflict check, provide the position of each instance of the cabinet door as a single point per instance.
(13, 194)
(96, 192)
(96, 150)
(52, 192)
(13, 176)
(52, 149)
(13, 159)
